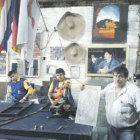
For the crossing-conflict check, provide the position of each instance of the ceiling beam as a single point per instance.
(70, 3)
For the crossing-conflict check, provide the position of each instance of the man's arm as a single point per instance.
(28, 87)
(53, 102)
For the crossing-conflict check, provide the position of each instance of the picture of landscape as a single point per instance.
(108, 23)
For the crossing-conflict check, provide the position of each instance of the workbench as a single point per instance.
(34, 123)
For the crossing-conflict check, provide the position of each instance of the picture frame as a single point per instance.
(3, 63)
(101, 60)
(110, 23)
(56, 53)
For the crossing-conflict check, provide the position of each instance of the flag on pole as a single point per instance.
(6, 18)
(22, 37)
(28, 21)
(25, 17)
(15, 26)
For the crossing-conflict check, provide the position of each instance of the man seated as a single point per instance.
(19, 88)
(58, 84)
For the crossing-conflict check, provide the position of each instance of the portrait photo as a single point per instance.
(102, 60)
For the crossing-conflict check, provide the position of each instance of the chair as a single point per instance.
(43, 95)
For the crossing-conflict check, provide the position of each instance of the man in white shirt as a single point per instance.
(122, 106)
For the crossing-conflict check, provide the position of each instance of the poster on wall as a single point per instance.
(101, 60)
(56, 53)
(110, 23)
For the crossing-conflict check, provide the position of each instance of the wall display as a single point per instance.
(110, 23)
(56, 53)
(50, 69)
(102, 60)
(74, 53)
(71, 26)
(3, 63)
(87, 113)
(75, 72)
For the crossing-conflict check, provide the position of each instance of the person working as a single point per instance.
(122, 105)
(19, 89)
(107, 65)
(59, 82)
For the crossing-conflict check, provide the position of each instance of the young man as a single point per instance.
(59, 82)
(107, 64)
(19, 88)
(122, 106)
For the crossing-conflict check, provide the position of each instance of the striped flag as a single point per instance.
(25, 17)
(6, 14)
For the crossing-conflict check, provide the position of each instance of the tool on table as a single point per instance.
(63, 107)
(62, 127)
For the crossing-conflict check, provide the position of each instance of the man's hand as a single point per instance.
(82, 87)
(94, 59)
(54, 102)
(66, 85)
(104, 70)
(22, 100)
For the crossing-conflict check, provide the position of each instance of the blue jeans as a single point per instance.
(123, 133)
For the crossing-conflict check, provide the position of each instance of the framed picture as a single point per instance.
(110, 23)
(3, 63)
(56, 53)
(102, 60)
(75, 72)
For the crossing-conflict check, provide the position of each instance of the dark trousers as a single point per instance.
(123, 133)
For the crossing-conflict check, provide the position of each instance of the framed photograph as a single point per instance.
(75, 72)
(56, 53)
(3, 63)
(102, 60)
(110, 22)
